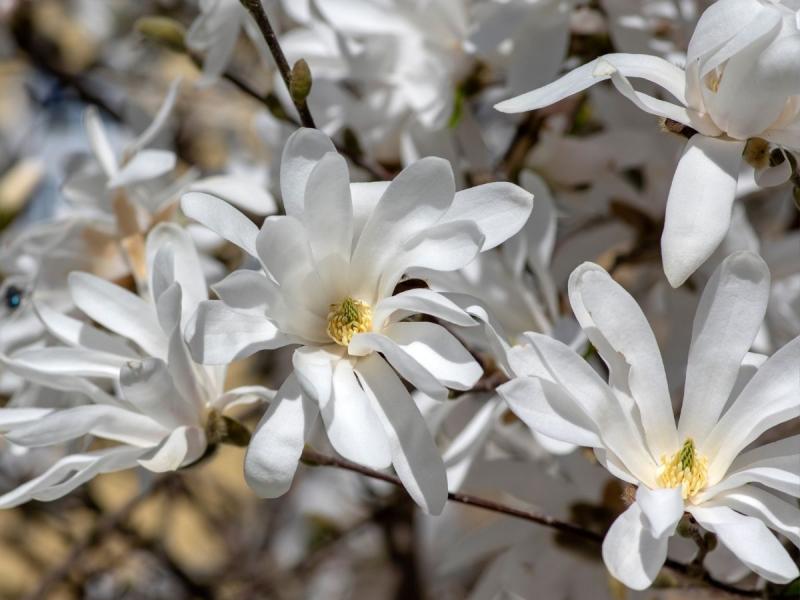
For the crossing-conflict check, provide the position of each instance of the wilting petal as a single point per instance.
(699, 206)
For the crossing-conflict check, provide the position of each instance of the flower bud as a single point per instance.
(300, 82)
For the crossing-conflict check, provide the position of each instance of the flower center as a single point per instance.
(686, 468)
(348, 318)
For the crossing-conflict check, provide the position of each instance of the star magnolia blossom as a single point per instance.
(741, 82)
(330, 268)
(698, 466)
(166, 404)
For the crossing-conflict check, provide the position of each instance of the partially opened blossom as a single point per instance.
(144, 394)
(702, 465)
(740, 84)
(330, 267)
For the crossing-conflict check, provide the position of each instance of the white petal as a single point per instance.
(752, 501)
(729, 315)
(420, 300)
(651, 68)
(353, 427)
(247, 289)
(148, 386)
(70, 472)
(277, 443)
(160, 119)
(548, 409)
(414, 201)
(98, 140)
(78, 333)
(661, 509)
(443, 247)
(107, 422)
(468, 445)
(619, 330)
(303, 149)
(183, 446)
(432, 348)
(218, 334)
(328, 214)
(615, 424)
(239, 192)
(143, 166)
(771, 397)
(750, 540)
(499, 209)
(414, 454)
(773, 465)
(699, 205)
(632, 554)
(221, 218)
(13, 417)
(119, 310)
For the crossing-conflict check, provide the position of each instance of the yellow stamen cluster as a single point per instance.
(685, 468)
(348, 318)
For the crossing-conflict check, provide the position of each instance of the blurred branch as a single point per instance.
(256, 10)
(104, 526)
(314, 458)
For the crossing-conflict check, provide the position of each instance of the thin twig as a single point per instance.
(312, 457)
(256, 10)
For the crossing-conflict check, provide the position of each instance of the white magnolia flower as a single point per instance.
(330, 268)
(741, 82)
(145, 393)
(699, 466)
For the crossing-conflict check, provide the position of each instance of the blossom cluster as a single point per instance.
(473, 271)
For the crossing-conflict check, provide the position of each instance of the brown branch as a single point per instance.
(314, 458)
(256, 10)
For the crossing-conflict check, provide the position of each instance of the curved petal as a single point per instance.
(631, 553)
(218, 335)
(414, 454)
(616, 426)
(651, 68)
(144, 165)
(661, 509)
(771, 397)
(183, 446)
(278, 440)
(547, 408)
(149, 387)
(750, 540)
(619, 330)
(119, 310)
(414, 201)
(70, 472)
(499, 209)
(353, 428)
(729, 315)
(420, 301)
(304, 148)
(221, 218)
(238, 192)
(107, 422)
(777, 514)
(699, 205)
